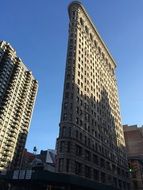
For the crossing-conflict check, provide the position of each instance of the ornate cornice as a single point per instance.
(79, 4)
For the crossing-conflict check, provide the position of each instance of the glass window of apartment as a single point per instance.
(62, 146)
(87, 171)
(78, 150)
(81, 136)
(120, 184)
(108, 166)
(86, 29)
(95, 159)
(65, 117)
(81, 21)
(109, 178)
(61, 164)
(91, 37)
(63, 131)
(67, 164)
(67, 85)
(102, 163)
(87, 155)
(96, 174)
(115, 181)
(68, 146)
(78, 168)
(103, 177)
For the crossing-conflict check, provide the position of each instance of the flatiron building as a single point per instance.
(91, 140)
(18, 90)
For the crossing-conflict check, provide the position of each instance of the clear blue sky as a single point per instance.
(38, 30)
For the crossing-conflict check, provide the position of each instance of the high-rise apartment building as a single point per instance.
(91, 141)
(18, 90)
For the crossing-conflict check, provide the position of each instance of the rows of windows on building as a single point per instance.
(17, 96)
(91, 142)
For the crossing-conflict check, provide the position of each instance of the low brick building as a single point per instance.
(134, 144)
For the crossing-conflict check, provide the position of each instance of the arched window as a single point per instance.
(86, 29)
(106, 61)
(95, 43)
(103, 56)
(81, 21)
(91, 37)
(99, 50)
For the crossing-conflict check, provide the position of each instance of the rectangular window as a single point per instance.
(68, 146)
(87, 172)
(87, 155)
(78, 168)
(102, 163)
(62, 146)
(67, 85)
(95, 159)
(108, 166)
(67, 165)
(61, 164)
(103, 177)
(96, 175)
(78, 150)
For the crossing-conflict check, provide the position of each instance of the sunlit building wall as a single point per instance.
(18, 90)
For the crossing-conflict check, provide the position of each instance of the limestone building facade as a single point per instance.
(18, 89)
(91, 141)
